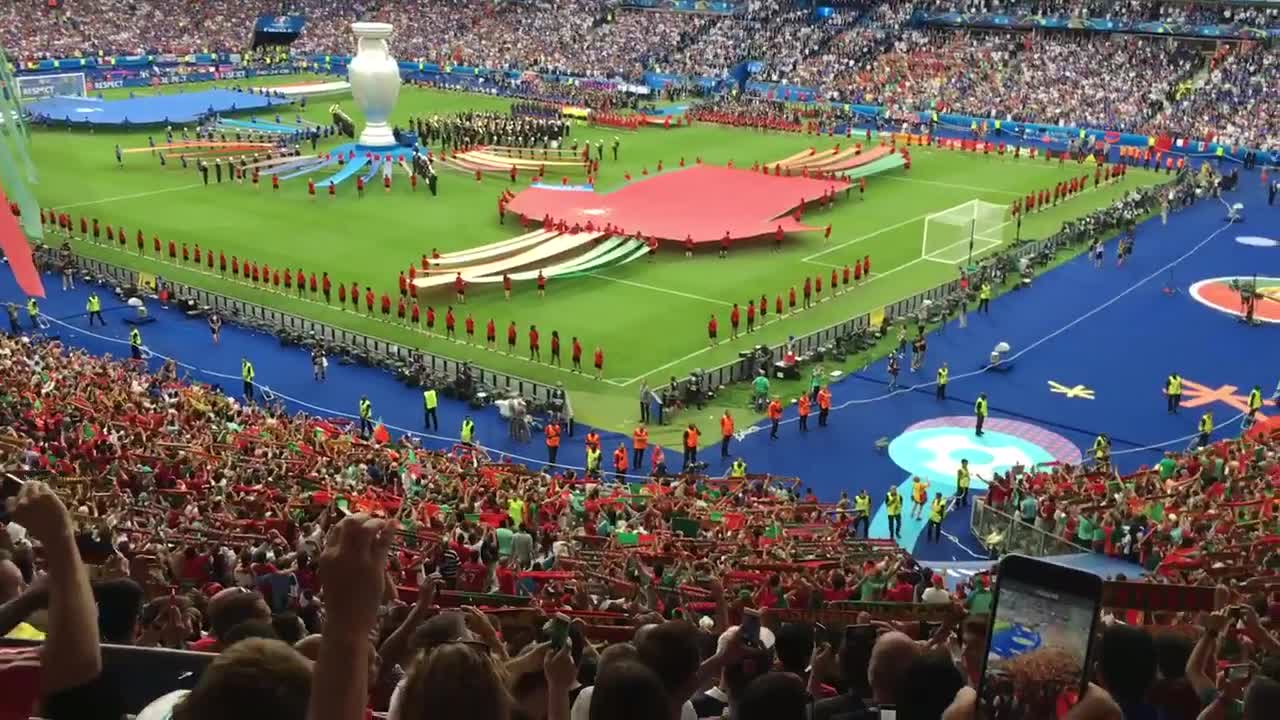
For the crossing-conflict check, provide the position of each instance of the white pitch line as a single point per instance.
(878, 276)
(698, 352)
(134, 196)
(975, 188)
(824, 251)
(868, 236)
(655, 288)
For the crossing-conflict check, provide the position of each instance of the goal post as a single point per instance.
(957, 234)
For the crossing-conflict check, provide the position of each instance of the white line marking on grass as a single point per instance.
(134, 196)
(655, 288)
(873, 278)
(698, 352)
(868, 236)
(975, 188)
(820, 253)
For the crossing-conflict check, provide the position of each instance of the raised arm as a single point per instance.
(352, 564)
(71, 654)
(1203, 653)
(396, 645)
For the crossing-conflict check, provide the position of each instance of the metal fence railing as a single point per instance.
(234, 309)
(999, 531)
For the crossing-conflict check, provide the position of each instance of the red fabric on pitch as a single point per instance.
(701, 201)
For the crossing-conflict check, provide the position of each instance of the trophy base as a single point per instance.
(377, 135)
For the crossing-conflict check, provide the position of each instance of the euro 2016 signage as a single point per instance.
(280, 24)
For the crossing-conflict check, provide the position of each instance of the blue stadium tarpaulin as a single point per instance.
(149, 110)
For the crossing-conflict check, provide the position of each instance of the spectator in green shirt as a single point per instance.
(872, 586)
(760, 387)
(979, 600)
(1084, 531)
(1167, 466)
(503, 533)
(1027, 508)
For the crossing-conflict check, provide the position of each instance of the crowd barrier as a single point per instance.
(233, 308)
(1005, 533)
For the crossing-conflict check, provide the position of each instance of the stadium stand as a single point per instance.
(1231, 105)
(242, 510)
(864, 52)
(1039, 79)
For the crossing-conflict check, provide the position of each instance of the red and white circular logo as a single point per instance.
(1223, 294)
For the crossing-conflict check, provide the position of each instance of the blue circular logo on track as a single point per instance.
(934, 448)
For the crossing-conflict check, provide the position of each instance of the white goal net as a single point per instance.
(971, 229)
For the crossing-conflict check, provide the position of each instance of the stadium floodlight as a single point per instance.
(954, 235)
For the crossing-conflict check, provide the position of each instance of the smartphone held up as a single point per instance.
(1039, 640)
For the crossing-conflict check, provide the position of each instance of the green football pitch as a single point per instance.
(649, 317)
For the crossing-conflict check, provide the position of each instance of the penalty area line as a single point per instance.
(655, 288)
(868, 236)
(133, 196)
(975, 188)
(700, 351)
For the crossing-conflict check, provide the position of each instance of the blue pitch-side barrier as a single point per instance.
(148, 110)
(121, 61)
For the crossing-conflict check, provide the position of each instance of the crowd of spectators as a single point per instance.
(1197, 13)
(334, 575)
(328, 24)
(724, 43)
(864, 52)
(1106, 81)
(857, 42)
(76, 28)
(1235, 103)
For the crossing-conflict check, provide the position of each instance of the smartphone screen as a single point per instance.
(750, 628)
(1240, 671)
(860, 636)
(1038, 646)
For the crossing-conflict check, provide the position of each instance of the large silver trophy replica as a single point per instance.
(375, 82)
